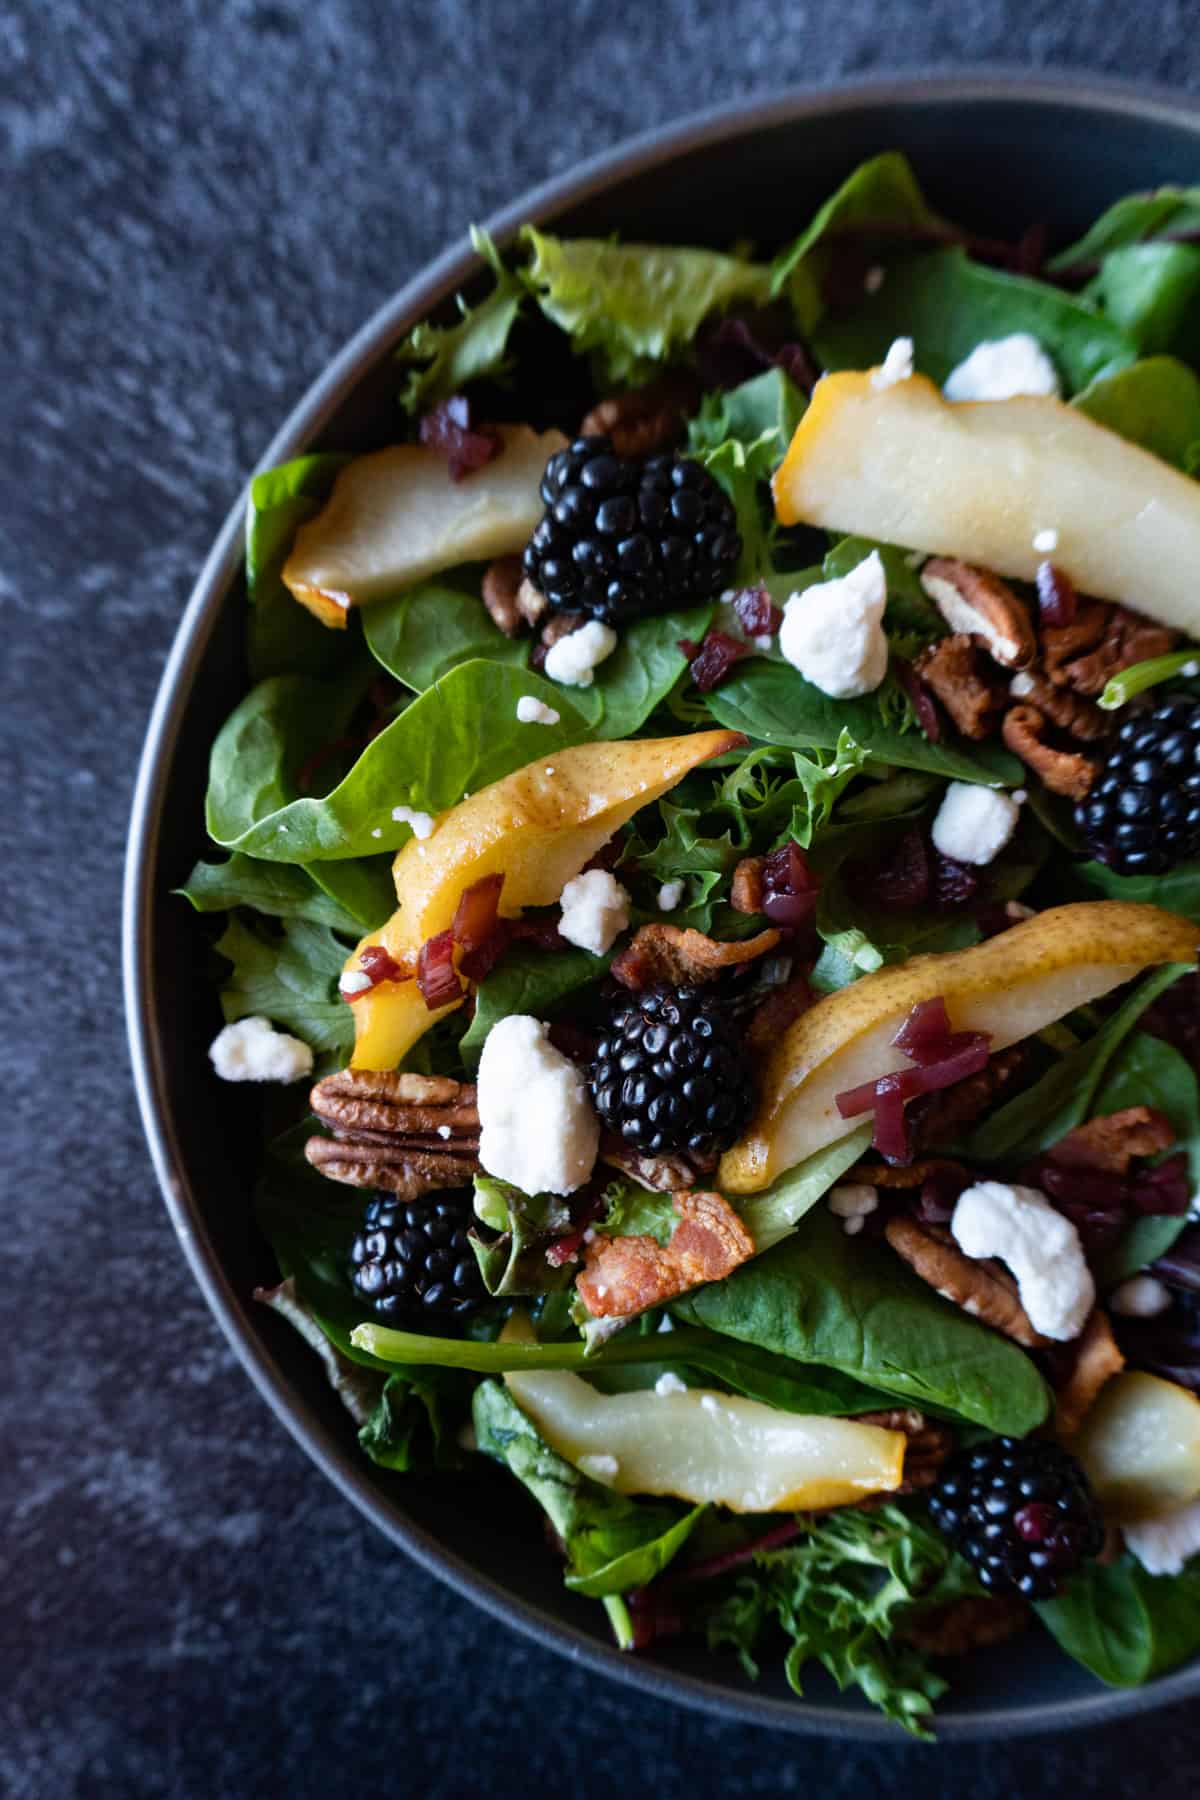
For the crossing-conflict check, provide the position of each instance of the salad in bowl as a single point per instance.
(710, 859)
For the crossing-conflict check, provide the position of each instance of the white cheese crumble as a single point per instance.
(532, 711)
(1045, 542)
(537, 1126)
(444, 1131)
(669, 1383)
(710, 1403)
(1039, 1245)
(833, 632)
(852, 1201)
(896, 366)
(1162, 1545)
(378, 831)
(666, 1323)
(669, 895)
(252, 1050)
(595, 910)
(1021, 684)
(422, 822)
(575, 658)
(974, 823)
(874, 278)
(1141, 1297)
(1002, 368)
(353, 981)
(600, 1467)
(1190, 669)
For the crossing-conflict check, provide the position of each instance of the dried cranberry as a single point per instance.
(756, 612)
(923, 703)
(712, 660)
(448, 429)
(954, 883)
(790, 889)
(437, 977)
(902, 881)
(1057, 600)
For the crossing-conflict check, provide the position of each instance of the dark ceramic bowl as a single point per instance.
(995, 151)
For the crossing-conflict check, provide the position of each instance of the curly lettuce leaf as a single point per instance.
(292, 979)
(444, 359)
(282, 638)
(741, 436)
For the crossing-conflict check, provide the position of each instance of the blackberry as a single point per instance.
(414, 1258)
(670, 1073)
(621, 538)
(1142, 815)
(1021, 1512)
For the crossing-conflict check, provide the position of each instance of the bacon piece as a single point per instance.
(626, 1275)
(1110, 1143)
(670, 956)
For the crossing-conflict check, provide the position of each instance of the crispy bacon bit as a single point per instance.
(1058, 601)
(756, 612)
(923, 704)
(448, 430)
(1110, 1143)
(378, 965)
(626, 1275)
(940, 1057)
(790, 889)
(670, 956)
(437, 977)
(478, 930)
(968, 688)
(713, 659)
(746, 889)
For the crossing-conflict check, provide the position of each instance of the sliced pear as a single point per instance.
(537, 827)
(395, 516)
(1140, 1446)
(901, 465)
(700, 1446)
(1010, 986)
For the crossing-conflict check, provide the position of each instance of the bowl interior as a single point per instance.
(998, 154)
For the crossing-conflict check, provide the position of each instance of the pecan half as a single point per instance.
(672, 956)
(665, 1174)
(937, 1118)
(1067, 772)
(1110, 1143)
(901, 1177)
(501, 582)
(954, 670)
(772, 1016)
(977, 603)
(927, 1447)
(531, 603)
(983, 1289)
(1078, 717)
(408, 1134)
(558, 626)
(1096, 1359)
(625, 1275)
(1102, 640)
(746, 888)
(647, 418)
(969, 1623)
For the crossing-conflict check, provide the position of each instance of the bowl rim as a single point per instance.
(1070, 90)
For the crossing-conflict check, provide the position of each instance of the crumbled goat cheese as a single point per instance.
(1141, 1297)
(1190, 669)
(532, 711)
(897, 365)
(537, 1126)
(444, 1131)
(1001, 368)
(974, 823)
(833, 632)
(874, 278)
(354, 981)
(252, 1050)
(422, 822)
(1164, 1544)
(595, 910)
(669, 895)
(574, 659)
(669, 1384)
(1045, 542)
(666, 1323)
(600, 1468)
(378, 831)
(710, 1403)
(852, 1201)
(1040, 1246)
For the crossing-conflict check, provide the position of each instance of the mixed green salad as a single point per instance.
(715, 824)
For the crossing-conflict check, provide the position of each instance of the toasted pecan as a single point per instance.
(624, 1275)
(1067, 772)
(1100, 642)
(975, 602)
(746, 888)
(501, 582)
(1096, 1360)
(969, 1623)
(927, 1446)
(983, 1289)
(1110, 1143)
(1069, 711)
(665, 1174)
(676, 956)
(954, 670)
(408, 1134)
(531, 605)
(645, 419)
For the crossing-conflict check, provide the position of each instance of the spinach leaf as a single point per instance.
(1154, 403)
(772, 702)
(1124, 1625)
(853, 1306)
(526, 981)
(612, 1543)
(415, 1421)
(634, 305)
(1148, 1072)
(444, 359)
(292, 980)
(283, 638)
(1152, 291)
(741, 436)
(1178, 891)
(774, 1214)
(1065, 1095)
(775, 1380)
(911, 620)
(460, 735)
(281, 890)
(1134, 220)
(948, 304)
(362, 886)
(425, 632)
(640, 673)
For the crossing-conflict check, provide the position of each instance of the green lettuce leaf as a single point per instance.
(741, 436)
(1148, 1072)
(526, 981)
(444, 359)
(1136, 219)
(774, 1214)
(362, 886)
(283, 638)
(415, 1422)
(281, 890)
(292, 979)
(1152, 292)
(1124, 1625)
(425, 632)
(634, 305)
(823, 1297)
(1155, 403)
(515, 1261)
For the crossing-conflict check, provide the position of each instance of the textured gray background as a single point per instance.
(201, 200)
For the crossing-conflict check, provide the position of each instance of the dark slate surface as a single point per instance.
(202, 198)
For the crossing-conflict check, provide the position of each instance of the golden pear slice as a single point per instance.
(704, 1446)
(980, 480)
(1010, 986)
(1140, 1446)
(395, 517)
(537, 827)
